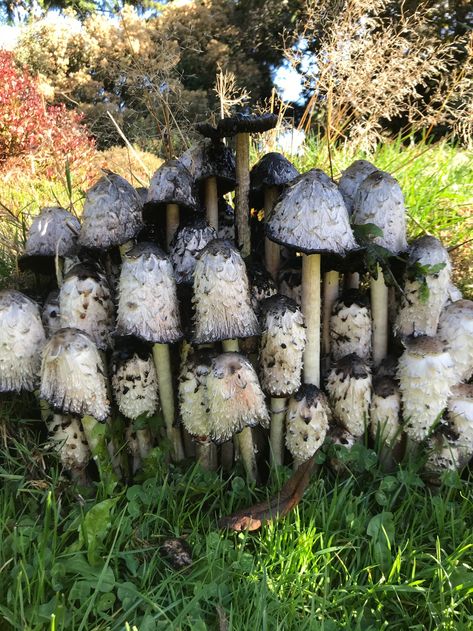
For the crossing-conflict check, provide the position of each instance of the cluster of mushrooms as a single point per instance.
(259, 331)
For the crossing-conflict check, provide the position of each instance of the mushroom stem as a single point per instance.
(59, 267)
(276, 435)
(95, 434)
(272, 250)
(311, 311)
(352, 280)
(242, 192)
(226, 455)
(331, 281)
(211, 201)
(206, 455)
(245, 437)
(162, 362)
(379, 314)
(172, 221)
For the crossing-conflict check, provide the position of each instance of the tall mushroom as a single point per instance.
(311, 217)
(148, 309)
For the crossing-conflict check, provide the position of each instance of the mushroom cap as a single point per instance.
(112, 213)
(307, 422)
(273, 169)
(238, 124)
(342, 442)
(235, 397)
(53, 232)
(282, 345)
(351, 179)
(460, 416)
(311, 216)
(21, 341)
(385, 411)
(380, 201)
(50, 315)
(147, 299)
(68, 439)
(73, 375)
(193, 396)
(350, 325)
(262, 285)
(86, 303)
(221, 295)
(211, 159)
(456, 331)
(290, 279)
(171, 184)
(185, 246)
(134, 379)
(445, 453)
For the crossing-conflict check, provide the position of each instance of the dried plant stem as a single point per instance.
(242, 191)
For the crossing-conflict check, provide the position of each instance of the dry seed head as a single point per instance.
(222, 296)
(192, 394)
(351, 179)
(235, 397)
(456, 331)
(185, 246)
(385, 411)
(460, 417)
(21, 341)
(307, 420)
(350, 326)
(68, 439)
(147, 299)
(282, 345)
(349, 391)
(72, 375)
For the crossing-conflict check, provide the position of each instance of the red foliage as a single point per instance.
(29, 128)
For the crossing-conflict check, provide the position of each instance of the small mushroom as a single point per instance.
(185, 246)
(350, 326)
(67, 437)
(385, 418)
(351, 179)
(50, 315)
(456, 331)
(341, 441)
(460, 417)
(21, 341)
(443, 453)
(262, 285)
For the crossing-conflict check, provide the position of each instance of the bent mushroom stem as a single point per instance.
(311, 312)
(379, 311)
(211, 201)
(162, 362)
(331, 280)
(95, 434)
(172, 221)
(245, 437)
(276, 436)
(242, 191)
(272, 250)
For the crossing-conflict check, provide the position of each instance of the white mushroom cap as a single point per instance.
(235, 397)
(282, 345)
(444, 454)
(221, 295)
(351, 179)
(53, 232)
(72, 375)
(50, 315)
(423, 300)
(460, 417)
(307, 420)
(68, 439)
(134, 380)
(185, 246)
(350, 326)
(311, 216)
(456, 331)
(349, 391)
(385, 411)
(112, 213)
(21, 341)
(193, 396)
(380, 201)
(147, 299)
(425, 375)
(85, 303)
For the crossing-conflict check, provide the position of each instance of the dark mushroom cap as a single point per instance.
(211, 159)
(238, 124)
(311, 217)
(187, 242)
(273, 169)
(351, 179)
(112, 213)
(53, 232)
(261, 285)
(172, 183)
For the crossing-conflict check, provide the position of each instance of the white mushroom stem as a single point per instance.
(206, 455)
(162, 362)
(379, 314)
(59, 266)
(242, 191)
(352, 280)
(211, 201)
(331, 284)
(311, 311)
(278, 409)
(272, 250)
(245, 437)
(172, 221)
(226, 456)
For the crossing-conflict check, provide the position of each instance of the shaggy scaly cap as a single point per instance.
(192, 394)
(112, 213)
(134, 380)
(53, 231)
(262, 286)
(72, 375)
(85, 303)
(68, 439)
(456, 330)
(385, 411)
(185, 246)
(307, 420)
(21, 340)
(460, 416)
(444, 453)
(350, 326)
(221, 295)
(235, 397)
(341, 438)
(349, 391)
(419, 315)
(273, 169)
(282, 344)
(380, 201)
(425, 375)
(171, 184)
(50, 315)
(147, 302)
(311, 216)
(351, 179)
(209, 158)
(290, 280)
